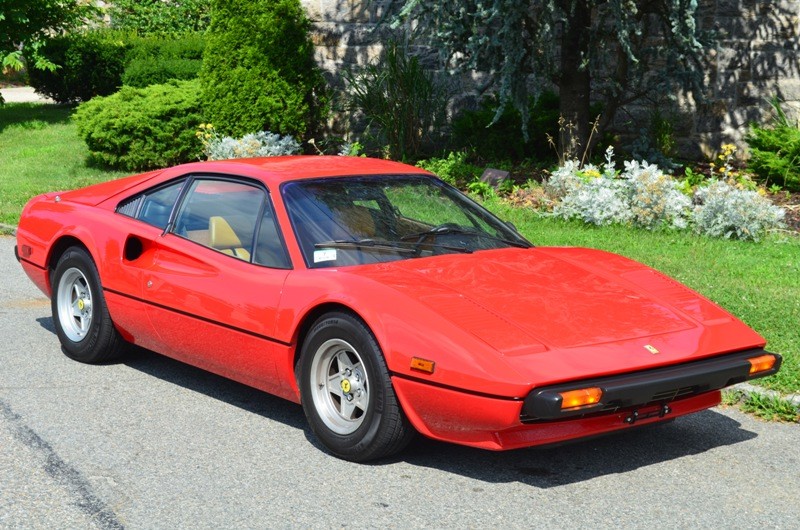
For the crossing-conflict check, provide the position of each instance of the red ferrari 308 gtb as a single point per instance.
(382, 299)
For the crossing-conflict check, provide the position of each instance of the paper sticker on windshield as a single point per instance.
(326, 254)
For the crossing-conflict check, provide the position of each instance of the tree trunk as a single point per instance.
(574, 81)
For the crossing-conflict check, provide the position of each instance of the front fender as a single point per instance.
(404, 328)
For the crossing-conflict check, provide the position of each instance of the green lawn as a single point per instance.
(759, 282)
(40, 151)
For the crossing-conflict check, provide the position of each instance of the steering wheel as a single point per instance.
(421, 237)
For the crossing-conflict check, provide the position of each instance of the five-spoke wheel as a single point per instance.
(74, 302)
(339, 385)
(80, 315)
(346, 391)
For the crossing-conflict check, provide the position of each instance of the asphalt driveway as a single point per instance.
(152, 443)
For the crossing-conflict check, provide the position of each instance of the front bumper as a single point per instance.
(494, 424)
(498, 423)
(660, 385)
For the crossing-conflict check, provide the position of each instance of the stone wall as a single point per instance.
(346, 32)
(755, 58)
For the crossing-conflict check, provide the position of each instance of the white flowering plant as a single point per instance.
(263, 143)
(725, 210)
(643, 195)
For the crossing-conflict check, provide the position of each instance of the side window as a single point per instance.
(269, 246)
(233, 218)
(152, 207)
(221, 215)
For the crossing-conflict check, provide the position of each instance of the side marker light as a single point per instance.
(422, 365)
(583, 397)
(762, 363)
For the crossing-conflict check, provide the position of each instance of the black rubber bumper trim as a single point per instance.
(660, 385)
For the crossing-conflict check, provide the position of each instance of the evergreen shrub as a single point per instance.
(143, 128)
(258, 69)
(775, 150)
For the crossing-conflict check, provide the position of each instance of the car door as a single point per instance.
(214, 285)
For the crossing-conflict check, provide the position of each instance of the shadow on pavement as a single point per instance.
(206, 383)
(216, 387)
(47, 323)
(538, 467)
(580, 461)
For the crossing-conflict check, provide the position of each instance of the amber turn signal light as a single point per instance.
(762, 363)
(580, 398)
(422, 365)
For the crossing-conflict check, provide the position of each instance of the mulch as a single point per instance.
(791, 203)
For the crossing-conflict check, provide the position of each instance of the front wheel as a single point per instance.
(346, 391)
(80, 315)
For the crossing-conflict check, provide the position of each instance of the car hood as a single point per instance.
(521, 301)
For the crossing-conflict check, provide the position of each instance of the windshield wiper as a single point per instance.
(382, 246)
(510, 242)
(453, 229)
(371, 244)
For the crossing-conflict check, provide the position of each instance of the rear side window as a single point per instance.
(153, 207)
(234, 218)
(230, 216)
(221, 215)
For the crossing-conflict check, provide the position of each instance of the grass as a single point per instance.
(770, 408)
(40, 151)
(758, 282)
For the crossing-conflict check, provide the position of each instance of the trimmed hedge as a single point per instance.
(259, 71)
(98, 63)
(143, 128)
(148, 17)
(89, 64)
(156, 60)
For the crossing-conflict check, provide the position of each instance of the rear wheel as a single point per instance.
(80, 315)
(346, 391)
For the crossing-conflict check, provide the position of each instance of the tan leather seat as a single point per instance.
(357, 220)
(222, 237)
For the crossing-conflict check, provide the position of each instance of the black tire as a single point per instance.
(369, 426)
(80, 315)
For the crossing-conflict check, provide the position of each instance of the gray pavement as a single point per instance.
(152, 443)
(24, 94)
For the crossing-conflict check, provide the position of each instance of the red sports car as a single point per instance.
(382, 299)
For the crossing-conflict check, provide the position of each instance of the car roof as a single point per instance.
(272, 171)
(276, 170)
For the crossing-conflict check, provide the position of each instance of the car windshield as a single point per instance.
(356, 220)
